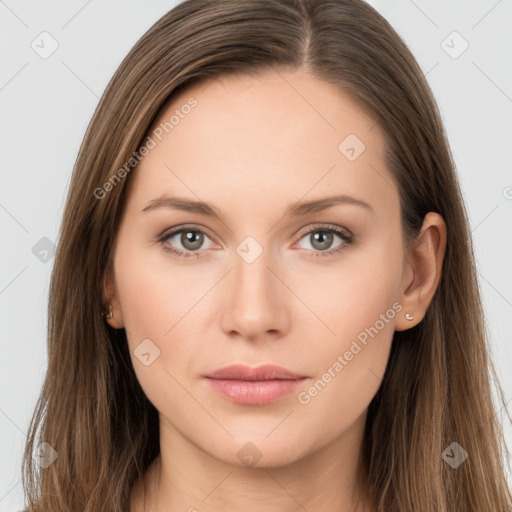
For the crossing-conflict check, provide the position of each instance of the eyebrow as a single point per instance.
(295, 210)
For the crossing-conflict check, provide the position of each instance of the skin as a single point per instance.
(252, 147)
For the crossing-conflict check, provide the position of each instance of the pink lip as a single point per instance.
(254, 386)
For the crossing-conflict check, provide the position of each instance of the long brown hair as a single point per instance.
(437, 387)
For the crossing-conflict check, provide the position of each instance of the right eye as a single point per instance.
(191, 240)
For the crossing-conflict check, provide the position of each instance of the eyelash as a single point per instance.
(347, 237)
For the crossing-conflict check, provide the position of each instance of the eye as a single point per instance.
(321, 238)
(191, 239)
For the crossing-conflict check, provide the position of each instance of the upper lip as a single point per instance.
(265, 372)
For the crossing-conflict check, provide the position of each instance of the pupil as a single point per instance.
(188, 238)
(324, 237)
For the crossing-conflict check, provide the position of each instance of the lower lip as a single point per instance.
(254, 392)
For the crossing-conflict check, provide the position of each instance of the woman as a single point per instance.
(323, 346)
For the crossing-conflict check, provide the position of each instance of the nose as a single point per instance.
(257, 302)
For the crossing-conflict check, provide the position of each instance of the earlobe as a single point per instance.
(425, 260)
(111, 307)
(108, 314)
(109, 317)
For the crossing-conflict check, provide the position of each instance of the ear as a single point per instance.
(422, 270)
(111, 298)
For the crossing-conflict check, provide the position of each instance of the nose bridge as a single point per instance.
(254, 305)
(254, 283)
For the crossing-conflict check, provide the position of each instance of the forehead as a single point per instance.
(285, 134)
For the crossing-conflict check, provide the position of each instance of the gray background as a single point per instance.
(46, 104)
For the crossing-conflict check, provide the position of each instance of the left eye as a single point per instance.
(322, 239)
(191, 240)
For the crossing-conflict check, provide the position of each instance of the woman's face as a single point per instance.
(267, 281)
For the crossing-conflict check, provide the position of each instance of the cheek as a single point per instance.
(167, 303)
(161, 302)
(155, 294)
(351, 296)
(359, 307)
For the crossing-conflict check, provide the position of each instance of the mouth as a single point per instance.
(254, 386)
